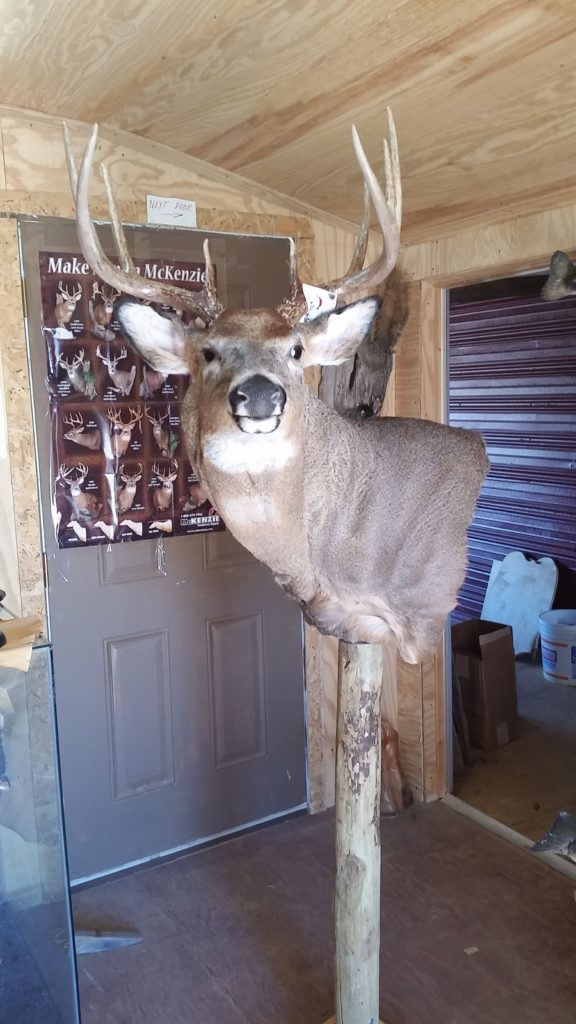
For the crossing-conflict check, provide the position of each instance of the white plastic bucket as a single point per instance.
(558, 634)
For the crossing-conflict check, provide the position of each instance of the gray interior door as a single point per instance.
(178, 664)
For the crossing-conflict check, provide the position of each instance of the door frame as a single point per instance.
(517, 267)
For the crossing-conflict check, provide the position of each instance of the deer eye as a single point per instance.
(209, 354)
(296, 351)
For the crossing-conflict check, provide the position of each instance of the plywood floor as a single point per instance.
(526, 783)
(474, 931)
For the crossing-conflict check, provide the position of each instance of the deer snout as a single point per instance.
(257, 398)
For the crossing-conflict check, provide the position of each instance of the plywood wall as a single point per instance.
(483, 93)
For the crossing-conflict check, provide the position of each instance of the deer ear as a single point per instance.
(161, 342)
(335, 337)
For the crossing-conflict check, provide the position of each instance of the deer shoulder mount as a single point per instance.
(363, 522)
(561, 280)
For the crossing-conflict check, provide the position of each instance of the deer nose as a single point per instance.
(257, 397)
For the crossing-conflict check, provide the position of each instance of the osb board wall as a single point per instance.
(9, 574)
(19, 505)
(33, 181)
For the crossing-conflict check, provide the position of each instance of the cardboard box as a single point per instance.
(484, 660)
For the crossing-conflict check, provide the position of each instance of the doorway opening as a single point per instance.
(512, 376)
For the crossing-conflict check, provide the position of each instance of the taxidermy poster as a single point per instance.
(120, 471)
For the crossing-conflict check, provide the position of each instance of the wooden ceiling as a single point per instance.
(483, 93)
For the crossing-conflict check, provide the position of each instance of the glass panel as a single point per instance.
(38, 969)
(252, 271)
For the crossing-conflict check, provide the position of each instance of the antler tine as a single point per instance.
(135, 418)
(392, 170)
(210, 300)
(359, 255)
(70, 160)
(126, 261)
(74, 418)
(388, 207)
(293, 307)
(382, 267)
(128, 281)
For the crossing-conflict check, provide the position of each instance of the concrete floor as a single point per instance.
(526, 783)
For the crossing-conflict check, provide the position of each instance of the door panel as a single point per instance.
(236, 673)
(178, 664)
(138, 690)
(125, 563)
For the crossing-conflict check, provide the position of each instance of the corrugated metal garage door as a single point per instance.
(512, 372)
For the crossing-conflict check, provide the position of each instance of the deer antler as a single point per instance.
(111, 361)
(204, 305)
(359, 254)
(172, 471)
(105, 359)
(155, 418)
(115, 416)
(73, 363)
(135, 417)
(130, 477)
(388, 207)
(99, 290)
(66, 294)
(74, 420)
(64, 472)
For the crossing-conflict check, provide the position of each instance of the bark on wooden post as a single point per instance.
(357, 898)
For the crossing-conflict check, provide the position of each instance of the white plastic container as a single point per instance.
(558, 634)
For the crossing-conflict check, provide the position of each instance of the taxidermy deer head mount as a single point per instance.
(364, 523)
(561, 280)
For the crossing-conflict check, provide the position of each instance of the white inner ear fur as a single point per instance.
(157, 339)
(337, 336)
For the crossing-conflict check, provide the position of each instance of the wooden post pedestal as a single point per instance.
(357, 896)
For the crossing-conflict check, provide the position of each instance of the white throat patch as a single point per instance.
(248, 453)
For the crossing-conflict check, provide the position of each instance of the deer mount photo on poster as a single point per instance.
(120, 469)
